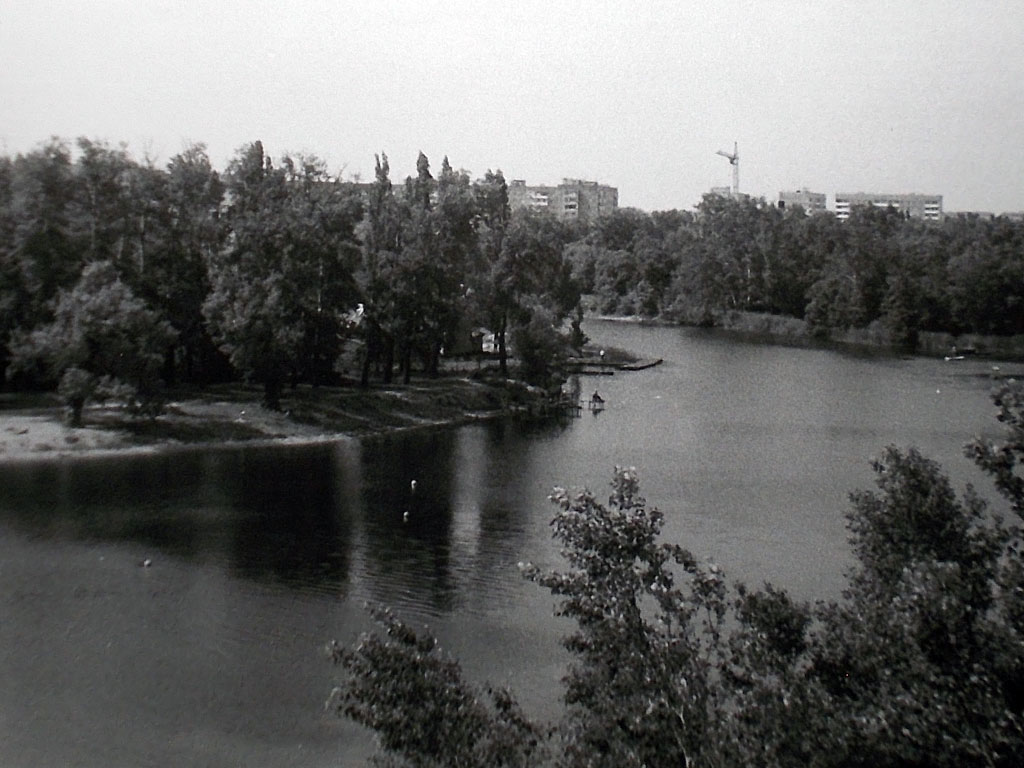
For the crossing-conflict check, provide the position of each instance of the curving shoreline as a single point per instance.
(233, 415)
(32, 427)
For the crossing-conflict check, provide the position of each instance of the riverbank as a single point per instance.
(792, 331)
(33, 427)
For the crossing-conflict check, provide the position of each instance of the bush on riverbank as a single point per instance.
(792, 330)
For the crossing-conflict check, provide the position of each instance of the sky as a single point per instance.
(859, 96)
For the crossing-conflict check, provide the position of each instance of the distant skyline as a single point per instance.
(870, 96)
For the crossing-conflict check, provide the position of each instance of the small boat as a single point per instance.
(954, 357)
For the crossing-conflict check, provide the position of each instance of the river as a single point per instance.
(213, 653)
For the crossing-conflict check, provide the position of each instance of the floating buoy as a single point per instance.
(412, 500)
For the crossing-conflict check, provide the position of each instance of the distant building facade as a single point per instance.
(914, 206)
(811, 202)
(573, 199)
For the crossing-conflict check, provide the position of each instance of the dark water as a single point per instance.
(213, 654)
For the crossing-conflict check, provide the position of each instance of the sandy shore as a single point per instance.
(234, 414)
(26, 437)
(33, 436)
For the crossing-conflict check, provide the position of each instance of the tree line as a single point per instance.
(962, 275)
(120, 277)
(919, 664)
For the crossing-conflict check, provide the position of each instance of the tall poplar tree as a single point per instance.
(176, 278)
(382, 237)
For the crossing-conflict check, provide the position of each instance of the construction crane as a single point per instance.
(734, 161)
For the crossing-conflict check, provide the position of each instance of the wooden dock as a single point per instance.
(596, 367)
(640, 365)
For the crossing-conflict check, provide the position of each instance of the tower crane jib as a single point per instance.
(734, 161)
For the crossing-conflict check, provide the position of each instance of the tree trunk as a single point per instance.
(75, 407)
(272, 387)
(434, 364)
(502, 350)
(170, 367)
(389, 359)
(369, 355)
(364, 376)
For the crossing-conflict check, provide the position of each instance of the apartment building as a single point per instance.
(572, 199)
(811, 202)
(914, 206)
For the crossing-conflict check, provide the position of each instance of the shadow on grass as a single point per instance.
(146, 431)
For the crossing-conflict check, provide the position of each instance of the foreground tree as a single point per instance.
(638, 692)
(424, 711)
(910, 669)
(1002, 460)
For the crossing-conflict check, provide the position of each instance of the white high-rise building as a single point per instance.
(914, 206)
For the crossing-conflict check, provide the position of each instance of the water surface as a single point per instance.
(260, 555)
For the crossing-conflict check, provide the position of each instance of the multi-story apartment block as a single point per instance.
(536, 197)
(572, 199)
(811, 202)
(915, 206)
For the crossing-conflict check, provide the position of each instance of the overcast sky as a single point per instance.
(900, 96)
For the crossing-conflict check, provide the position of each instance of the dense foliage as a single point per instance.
(102, 337)
(275, 272)
(920, 663)
(962, 275)
(279, 272)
